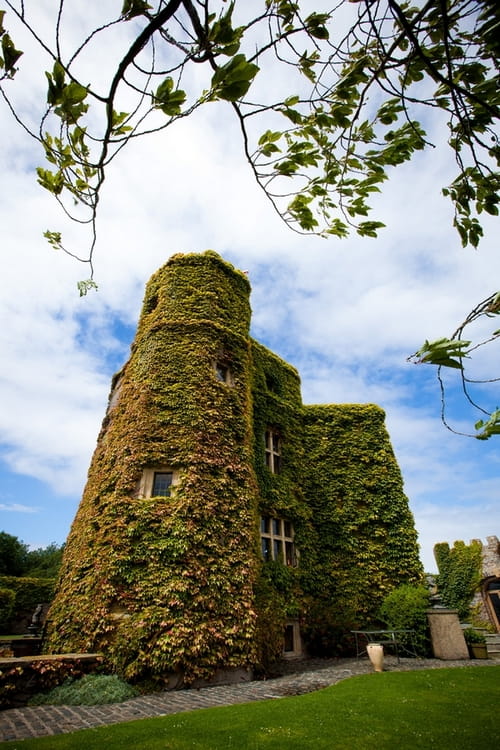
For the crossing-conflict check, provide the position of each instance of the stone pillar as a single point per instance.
(446, 634)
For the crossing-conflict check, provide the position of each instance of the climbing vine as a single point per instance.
(459, 574)
(173, 588)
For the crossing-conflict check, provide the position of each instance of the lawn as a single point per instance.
(441, 709)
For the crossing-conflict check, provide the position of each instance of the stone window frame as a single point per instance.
(148, 477)
(277, 537)
(273, 445)
(222, 371)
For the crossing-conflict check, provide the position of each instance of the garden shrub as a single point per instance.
(7, 598)
(405, 608)
(91, 690)
(29, 592)
(20, 682)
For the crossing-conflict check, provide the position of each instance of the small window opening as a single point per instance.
(223, 372)
(272, 446)
(162, 484)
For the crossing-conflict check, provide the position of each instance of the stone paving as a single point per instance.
(299, 678)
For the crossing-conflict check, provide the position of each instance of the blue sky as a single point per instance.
(346, 313)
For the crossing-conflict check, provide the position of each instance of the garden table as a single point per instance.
(400, 640)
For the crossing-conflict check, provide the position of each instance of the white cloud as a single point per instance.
(17, 508)
(346, 313)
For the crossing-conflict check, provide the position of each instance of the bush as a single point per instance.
(7, 598)
(91, 690)
(29, 592)
(405, 608)
(19, 683)
(472, 636)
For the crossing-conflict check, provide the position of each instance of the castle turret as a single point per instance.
(160, 562)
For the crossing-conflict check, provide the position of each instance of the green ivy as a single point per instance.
(459, 574)
(176, 586)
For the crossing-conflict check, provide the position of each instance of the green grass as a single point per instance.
(90, 690)
(442, 709)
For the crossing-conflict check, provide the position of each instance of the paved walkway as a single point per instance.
(304, 677)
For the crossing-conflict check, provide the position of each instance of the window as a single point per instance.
(292, 646)
(223, 372)
(159, 481)
(272, 443)
(277, 540)
(162, 484)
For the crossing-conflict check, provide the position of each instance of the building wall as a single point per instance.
(176, 585)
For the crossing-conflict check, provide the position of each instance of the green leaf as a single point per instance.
(85, 286)
(315, 25)
(51, 181)
(223, 36)
(132, 8)
(232, 80)
(116, 123)
(489, 427)
(169, 99)
(443, 353)
(10, 55)
(54, 239)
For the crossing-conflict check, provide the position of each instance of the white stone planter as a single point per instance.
(375, 653)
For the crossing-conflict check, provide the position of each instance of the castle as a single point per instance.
(224, 523)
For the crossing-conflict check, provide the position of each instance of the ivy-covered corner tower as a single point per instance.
(223, 523)
(161, 560)
(365, 536)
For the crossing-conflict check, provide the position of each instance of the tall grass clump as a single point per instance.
(91, 690)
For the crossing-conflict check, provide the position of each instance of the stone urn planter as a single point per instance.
(375, 653)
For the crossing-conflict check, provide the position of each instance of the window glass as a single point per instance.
(289, 554)
(277, 540)
(162, 484)
(278, 550)
(272, 447)
(266, 549)
(221, 372)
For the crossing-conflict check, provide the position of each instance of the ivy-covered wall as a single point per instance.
(176, 585)
(459, 574)
(365, 538)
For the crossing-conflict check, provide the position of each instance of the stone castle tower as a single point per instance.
(224, 523)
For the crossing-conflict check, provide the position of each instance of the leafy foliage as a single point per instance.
(7, 598)
(353, 105)
(405, 608)
(13, 555)
(174, 588)
(28, 592)
(16, 559)
(19, 683)
(454, 352)
(364, 82)
(90, 690)
(459, 574)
